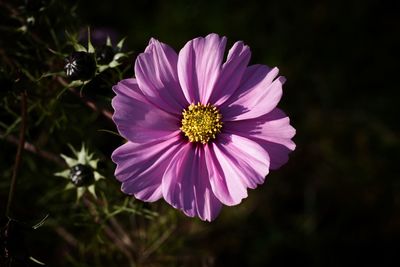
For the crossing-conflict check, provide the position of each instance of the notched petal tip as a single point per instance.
(153, 44)
(210, 36)
(186, 186)
(213, 35)
(199, 66)
(153, 40)
(157, 78)
(150, 46)
(282, 79)
(234, 169)
(125, 85)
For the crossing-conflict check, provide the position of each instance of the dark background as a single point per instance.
(337, 201)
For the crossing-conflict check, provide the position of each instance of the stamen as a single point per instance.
(200, 123)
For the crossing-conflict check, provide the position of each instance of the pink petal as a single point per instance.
(199, 64)
(186, 184)
(272, 131)
(279, 154)
(156, 74)
(235, 164)
(136, 118)
(231, 73)
(257, 94)
(140, 167)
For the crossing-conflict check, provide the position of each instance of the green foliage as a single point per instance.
(97, 225)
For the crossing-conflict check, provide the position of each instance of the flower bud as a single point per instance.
(80, 66)
(104, 54)
(81, 175)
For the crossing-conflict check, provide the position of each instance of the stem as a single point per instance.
(88, 102)
(18, 157)
(116, 225)
(118, 241)
(157, 244)
(69, 238)
(35, 150)
(123, 233)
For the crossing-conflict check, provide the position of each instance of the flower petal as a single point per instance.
(279, 154)
(257, 94)
(186, 184)
(231, 73)
(156, 74)
(199, 65)
(272, 131)
(140, 167)
(235, 164)
(137, 119)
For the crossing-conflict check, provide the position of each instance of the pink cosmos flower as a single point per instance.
(200, 131)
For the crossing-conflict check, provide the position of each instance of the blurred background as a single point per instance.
(335, 203)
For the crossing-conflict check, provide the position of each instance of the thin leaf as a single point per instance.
(90, 46)
(63, 174)
(110, 132)
(121, 44)
(79, 193)
(108, 42)
(57, 53)
(114, 64)
(69, 186)
(41, 222)
(92, 190)
(51, 74)
(102, 68)
(98, 176)
(72, 149)
(70, 161)
(36, 261)
(79, 47)
(118, 56)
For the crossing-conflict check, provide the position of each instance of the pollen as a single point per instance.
(201, 123)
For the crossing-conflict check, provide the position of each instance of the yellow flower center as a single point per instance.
(200, 123)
